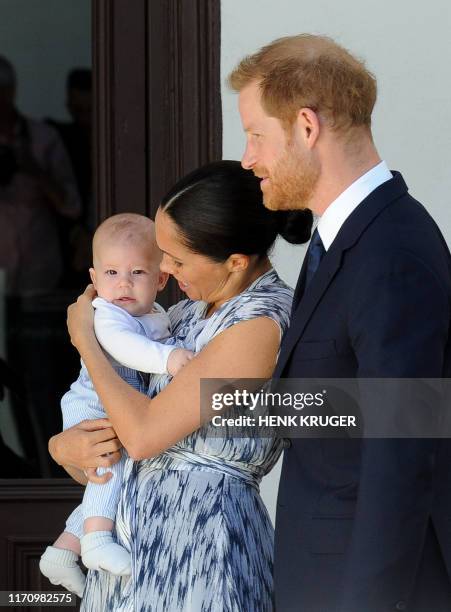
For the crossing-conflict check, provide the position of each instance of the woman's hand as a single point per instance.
(90, 444)
(80, 318)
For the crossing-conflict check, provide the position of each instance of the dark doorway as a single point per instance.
(46, 208)
(156, 116)
(158, 103)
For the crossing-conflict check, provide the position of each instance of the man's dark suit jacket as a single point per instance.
(365, 525)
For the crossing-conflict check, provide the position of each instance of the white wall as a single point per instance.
(408, 47)
(44, 39)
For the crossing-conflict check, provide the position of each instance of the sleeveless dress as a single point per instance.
(199, 534)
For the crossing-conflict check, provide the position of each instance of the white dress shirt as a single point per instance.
(336, 213)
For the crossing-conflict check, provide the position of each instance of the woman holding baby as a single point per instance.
(190, 511)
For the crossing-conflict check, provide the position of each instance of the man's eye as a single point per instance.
(110, 272)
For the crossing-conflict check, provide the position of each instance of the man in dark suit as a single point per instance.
(362, 525)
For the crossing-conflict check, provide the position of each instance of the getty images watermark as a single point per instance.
(296, 408)
(274, 401)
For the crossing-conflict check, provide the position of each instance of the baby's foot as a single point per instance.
(60, 567)
(99, 551)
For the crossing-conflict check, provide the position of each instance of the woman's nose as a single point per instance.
(165, 265)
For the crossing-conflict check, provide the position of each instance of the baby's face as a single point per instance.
(128, 276)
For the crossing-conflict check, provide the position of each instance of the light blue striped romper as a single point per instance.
(81, 402)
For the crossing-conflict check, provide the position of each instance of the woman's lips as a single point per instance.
(183, 286)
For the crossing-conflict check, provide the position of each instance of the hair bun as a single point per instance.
(295, 226)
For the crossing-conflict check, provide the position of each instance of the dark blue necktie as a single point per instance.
(315, 253)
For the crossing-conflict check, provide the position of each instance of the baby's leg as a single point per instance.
(59, 562)
(98, 549)
(68, 541)
(97, 523)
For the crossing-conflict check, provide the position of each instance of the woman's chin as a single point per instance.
(190, 294)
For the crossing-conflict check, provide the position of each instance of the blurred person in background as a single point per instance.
(37, 188)
(76, 235)
(38, 192)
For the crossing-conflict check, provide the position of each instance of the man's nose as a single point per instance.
(249, 158)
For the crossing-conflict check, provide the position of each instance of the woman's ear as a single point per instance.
(162, 280)
(237, 262)
(92, 274)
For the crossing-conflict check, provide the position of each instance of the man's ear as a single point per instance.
(162, 280)
(308, 126)
(92, 274)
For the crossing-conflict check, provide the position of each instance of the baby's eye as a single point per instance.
(110, 272)
(139, 271)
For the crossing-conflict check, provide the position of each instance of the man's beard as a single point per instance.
(292, 181)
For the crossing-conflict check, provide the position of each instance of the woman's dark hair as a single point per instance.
(219, 210)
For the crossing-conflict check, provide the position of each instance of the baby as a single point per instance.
(129, 325)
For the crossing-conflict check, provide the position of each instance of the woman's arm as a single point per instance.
(78, 475)
(148, 427)
(89, 444)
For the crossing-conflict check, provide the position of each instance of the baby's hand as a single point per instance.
(92, 476)
(177, 359)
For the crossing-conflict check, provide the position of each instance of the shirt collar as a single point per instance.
(336, 213)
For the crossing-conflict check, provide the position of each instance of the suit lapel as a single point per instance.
(330, 264)
(349, 234)
(300, 285)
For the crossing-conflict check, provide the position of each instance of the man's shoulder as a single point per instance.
(401, 238)
(404, 224)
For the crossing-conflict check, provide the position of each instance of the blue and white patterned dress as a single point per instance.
(200, 536)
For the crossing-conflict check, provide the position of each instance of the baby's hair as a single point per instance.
(126, 228)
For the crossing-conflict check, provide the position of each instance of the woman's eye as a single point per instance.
(177, 264)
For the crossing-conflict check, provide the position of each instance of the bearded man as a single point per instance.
(362, 525)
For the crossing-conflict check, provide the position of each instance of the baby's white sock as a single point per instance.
(60, 567)
(99, 551)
